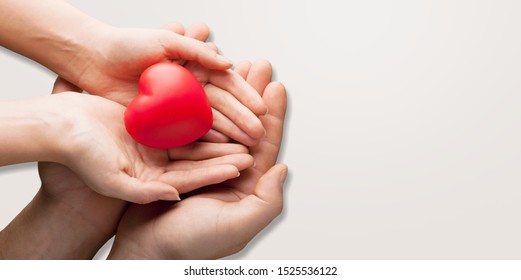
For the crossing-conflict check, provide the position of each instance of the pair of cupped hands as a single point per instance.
(229, 182)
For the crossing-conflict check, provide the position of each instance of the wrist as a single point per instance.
(59, 119)
(32, 127)
(128, 249)
(45, 229)
(82, 50)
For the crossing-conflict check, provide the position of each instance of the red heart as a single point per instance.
(171, 109)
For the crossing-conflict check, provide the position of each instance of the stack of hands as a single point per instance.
(204, 200)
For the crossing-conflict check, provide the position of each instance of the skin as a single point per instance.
(107, 61)
(68, 220)
(74, 126)
(75, 221)
(125, 169)
(221, 219)
(231, 120)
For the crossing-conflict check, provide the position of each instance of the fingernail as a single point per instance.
(254, 164)
(283, 175)
(170, 196)
(238, 174)
(224, 59)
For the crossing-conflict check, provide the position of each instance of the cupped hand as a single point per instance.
(221, 219)
(97, 216)
(236, 105)
(119, 56)
(98, 149)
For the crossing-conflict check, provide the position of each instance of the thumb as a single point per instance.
(136, 191)
(269, 186)
(181, 47)
(61, 85)
(256, 211)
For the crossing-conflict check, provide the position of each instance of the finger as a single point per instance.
(256, 211)
(240, 161)
(227, 127)
(243, 68)
(212, 46)
(61, 85)
(266, 152)
(276, 99)
(269, 186)
(174, 27)
(188, 180)
(181, 47)
(240, 89)
(178, 29)
(215, 136)
(198, 31)
(259, 75)
(134, 190)
(202, 150)
(230, 107)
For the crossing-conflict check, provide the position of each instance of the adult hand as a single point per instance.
(107, 61)
(108, 160)
(102, 59)
(221, 219)
(75, 220)
(229, 94)
(67, 220)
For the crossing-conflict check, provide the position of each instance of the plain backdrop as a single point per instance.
(403, 132)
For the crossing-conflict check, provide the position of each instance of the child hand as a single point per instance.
(235, 103)
(221, 219)
(97, 147)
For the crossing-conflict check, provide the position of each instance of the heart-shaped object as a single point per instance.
(171, 109)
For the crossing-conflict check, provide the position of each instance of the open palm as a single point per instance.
(111, 163)
(221, 219)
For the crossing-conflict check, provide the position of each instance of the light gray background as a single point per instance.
(403, 135)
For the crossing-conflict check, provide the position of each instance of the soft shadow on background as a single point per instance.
(17, 168)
